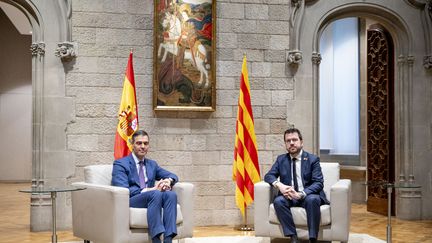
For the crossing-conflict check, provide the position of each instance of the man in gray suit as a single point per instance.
(300, 184)
(149, 187)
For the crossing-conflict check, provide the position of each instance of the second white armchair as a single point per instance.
(335, 218)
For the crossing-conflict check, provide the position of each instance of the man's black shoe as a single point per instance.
(312, 240)
(294, 239)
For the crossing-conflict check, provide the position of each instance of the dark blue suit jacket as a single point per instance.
(125, 174)
(312, 177)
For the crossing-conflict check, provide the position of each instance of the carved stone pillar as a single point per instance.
(38, 52)
(399, 136)
(52, 163)
(410, 62)
(316, 61)
(409, 199)
(40, 204)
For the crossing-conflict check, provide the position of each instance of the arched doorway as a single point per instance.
(356, 97)
(378, 120)
(51, 162)
(304, 45)
(15, 95)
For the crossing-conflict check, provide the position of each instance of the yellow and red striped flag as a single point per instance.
(127, 115)
(245, 167)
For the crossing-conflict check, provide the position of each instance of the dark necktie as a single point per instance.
(141, 175)
(295, 174)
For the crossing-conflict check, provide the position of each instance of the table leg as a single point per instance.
(53, 208)
(389, 229)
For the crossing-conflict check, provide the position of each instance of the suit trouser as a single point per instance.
(155, 201)
(311, 203)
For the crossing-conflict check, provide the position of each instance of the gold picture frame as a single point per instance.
(184, 63)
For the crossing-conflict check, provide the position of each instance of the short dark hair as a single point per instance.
(139, 133)
(293, 130)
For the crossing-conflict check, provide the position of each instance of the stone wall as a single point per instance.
(197, 146)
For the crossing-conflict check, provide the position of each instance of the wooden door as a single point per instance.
(380, 117)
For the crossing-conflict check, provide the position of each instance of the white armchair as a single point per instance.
(101, 213)
(335, 218)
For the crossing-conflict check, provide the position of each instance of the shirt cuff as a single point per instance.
(303, 194)
(275, 183)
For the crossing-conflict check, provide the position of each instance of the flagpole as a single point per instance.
(245, 227)
(245, 143)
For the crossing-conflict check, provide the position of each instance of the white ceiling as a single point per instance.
(19, 20)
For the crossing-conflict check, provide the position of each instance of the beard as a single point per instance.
(294, 150)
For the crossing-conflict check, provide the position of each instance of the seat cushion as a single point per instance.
(299, 215)
(138, 217)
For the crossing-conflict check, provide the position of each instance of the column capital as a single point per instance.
(316, 58)
(37, 48)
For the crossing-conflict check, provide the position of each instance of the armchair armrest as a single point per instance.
(340, 194)
(262, 194)
(184, 193)
(101, 211)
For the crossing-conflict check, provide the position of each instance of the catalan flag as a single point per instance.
(245, 166)
(127, 114)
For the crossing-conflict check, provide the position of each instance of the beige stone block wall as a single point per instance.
(197, 146)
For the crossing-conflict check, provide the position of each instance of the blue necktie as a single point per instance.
(141, 175)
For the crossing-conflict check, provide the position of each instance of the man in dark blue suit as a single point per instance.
(149, 187)
(300, 184)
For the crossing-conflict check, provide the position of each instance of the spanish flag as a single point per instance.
(127, 114)
(245, 166)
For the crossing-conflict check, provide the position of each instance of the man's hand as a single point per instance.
(285, 189)
(164, 185)
(288, 191)
(295, 195)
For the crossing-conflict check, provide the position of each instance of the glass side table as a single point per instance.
(53, 191)
(389, 186)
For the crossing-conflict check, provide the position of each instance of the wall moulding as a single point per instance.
(427, 25)
(67, 51)
(425, 7)
(294, 54)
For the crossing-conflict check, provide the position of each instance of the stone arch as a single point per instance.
(38, 55)
(402, 38)
(33, 15)
(405, 20)
(51, 109)
(391, 20)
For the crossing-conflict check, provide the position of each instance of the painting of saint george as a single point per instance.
(184, 55)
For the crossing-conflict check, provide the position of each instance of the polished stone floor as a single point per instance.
(15, 218)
